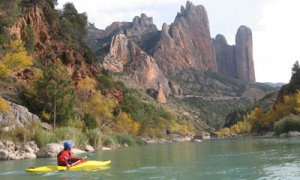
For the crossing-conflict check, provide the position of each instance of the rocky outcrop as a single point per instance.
(17, 115)
(186, 43)
(126, 56)
(141, 31)
(48, 45)
(225, 56)
(244, 54)
(161, 97)
(236, 61)
(9, 151)
(51, 150)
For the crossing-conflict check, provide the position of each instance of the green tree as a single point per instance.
(52, 94)
(29, 39)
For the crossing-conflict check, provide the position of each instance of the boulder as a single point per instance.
(51, 150)
(106, 149)
(9, 146)
(293, 134)
(89, 148)
(77, 151)
(46, 126)
(26, 152)
(4, 154)
(283, 135)
(19, 114)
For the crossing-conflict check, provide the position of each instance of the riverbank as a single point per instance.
(30, 150)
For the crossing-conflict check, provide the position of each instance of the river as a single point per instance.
(245, 158)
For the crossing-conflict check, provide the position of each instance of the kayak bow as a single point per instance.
(85, 165)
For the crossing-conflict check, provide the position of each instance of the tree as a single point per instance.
(124, 124)
(52, 94)
(101, 108)
(85, 90)
(30, 39)
(14, 59)
(295, 68)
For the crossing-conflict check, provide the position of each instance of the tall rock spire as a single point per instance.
(244, 54)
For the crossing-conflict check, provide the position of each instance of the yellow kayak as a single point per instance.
(86, 165)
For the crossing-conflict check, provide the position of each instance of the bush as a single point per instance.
(287, 123)
(90, 121)
(106, 83)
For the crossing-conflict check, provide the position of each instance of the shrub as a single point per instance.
(106, 82)
(287, 123)
(90, 121)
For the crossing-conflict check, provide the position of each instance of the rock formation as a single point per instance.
(10, 151)
(186, 43)
(48, 45)
(161, 97)
(236, 61)
(244, 54)
(126, 56)
(18, 115)
(225, 55)
(141, 30)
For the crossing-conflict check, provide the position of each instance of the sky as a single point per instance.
(274, 23)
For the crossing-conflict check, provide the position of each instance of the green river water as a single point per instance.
(245, 158)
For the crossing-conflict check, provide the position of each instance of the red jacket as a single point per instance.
(65, 157)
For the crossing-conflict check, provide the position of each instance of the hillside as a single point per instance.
(115, 82)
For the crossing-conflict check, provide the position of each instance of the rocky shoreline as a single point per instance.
(10, 151)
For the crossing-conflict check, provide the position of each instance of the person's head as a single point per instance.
(67, 145)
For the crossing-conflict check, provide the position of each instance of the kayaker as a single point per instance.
(64, 158)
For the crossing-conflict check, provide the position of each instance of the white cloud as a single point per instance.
(275, 25)
(277, 40)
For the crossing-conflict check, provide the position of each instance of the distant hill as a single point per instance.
(275, 85)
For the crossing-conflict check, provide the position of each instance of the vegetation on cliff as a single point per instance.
(283, 116)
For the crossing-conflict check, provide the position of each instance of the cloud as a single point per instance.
(277, 40)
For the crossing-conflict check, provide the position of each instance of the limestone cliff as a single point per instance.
(126, 56)
(186, 43)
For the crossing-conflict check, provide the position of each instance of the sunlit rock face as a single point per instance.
(126, 56)
(186, 43)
